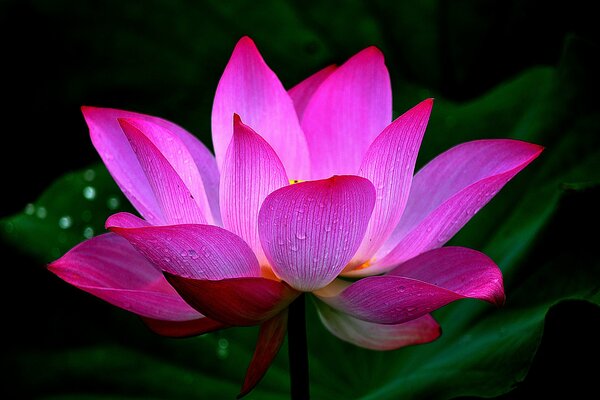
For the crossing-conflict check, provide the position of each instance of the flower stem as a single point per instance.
(297, 350)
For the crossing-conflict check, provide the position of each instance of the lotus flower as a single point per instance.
(307, 185)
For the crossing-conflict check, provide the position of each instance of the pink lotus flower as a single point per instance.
(228, 241)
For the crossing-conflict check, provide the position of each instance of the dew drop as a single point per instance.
(65, 222)
(222, 348)
(112, 203)
(29, 209)
(301, 236)
(294, 247)
(89, 192)
(41, 212)
(9, 227)
(193, 254)
(327, 228)
(183, 253)
(89, 175)
(88, 232)
(167, 259)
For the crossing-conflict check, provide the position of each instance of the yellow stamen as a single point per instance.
(292, 181)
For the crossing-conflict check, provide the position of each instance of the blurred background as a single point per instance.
(521, 69)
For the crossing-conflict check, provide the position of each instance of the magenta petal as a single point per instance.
(250, 89)
(183, 329)
(421, 285)
(236, 301)
(447, 192)
(174, 198)
(251, 170)
(302, 92)
(378, 336)
(108, 267)
(270, 338)
(348, 110)
(193, 251)
(309, 231)
(125, 220)
(121, 161)
(389, 165)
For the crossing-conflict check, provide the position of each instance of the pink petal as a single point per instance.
(302, 92)
(108, 267)
(378, 336)
(125, 220)
(250, 89)
(447, 192)
(251, 170)
(116, 152)
(309, 231)
(389, 165)
(237, 301)
(348, 110)
(183, 329)
(421, 285)
(174, 198)
(270, 339)
(193, 251)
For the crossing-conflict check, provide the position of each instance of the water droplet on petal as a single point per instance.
(65, 222)
(193, 254)
(301, 236)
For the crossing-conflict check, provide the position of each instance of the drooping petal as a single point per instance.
(419, 286)
(378, 336)
(347, 111)
(115, 150)
(270, 339)
(193, 251)
(389, 165)
(125, 220)
(446, 194)
(174, 198)
(251, 170)
(309, 231)
(236, 301)
(302, 92)
(108, 267)
(251, 89)
(183, 329)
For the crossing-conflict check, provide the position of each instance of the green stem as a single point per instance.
(298, 350)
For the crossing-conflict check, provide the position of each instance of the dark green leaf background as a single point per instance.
(520, 69)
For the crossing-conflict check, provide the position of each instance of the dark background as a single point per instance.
(165, 58)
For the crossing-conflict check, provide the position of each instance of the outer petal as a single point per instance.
(302, 92)
(108, 267)
(389, 164)
(237, 301)
(270, 339)
(174, 198)
(447, 192)
(193, 251)
(125, 220)
(348, 110)
(116, 152)
(309, 231)
(421, 285)
(251, 170)
(183, 329)
(250, 89)
(378, 336)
